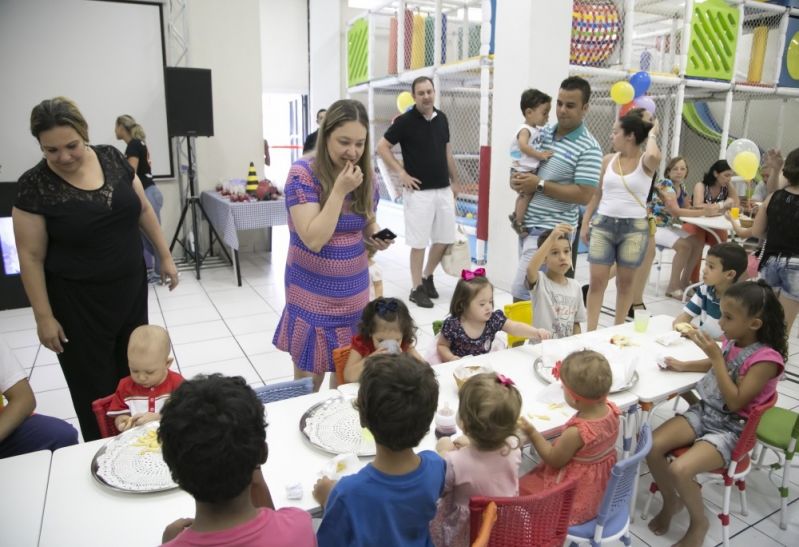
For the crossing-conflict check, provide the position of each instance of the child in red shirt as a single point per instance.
(140, 396)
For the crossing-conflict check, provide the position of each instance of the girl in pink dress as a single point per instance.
(586, 450)
(484, 462)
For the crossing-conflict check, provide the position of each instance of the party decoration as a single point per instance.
(252, 179)
(640, 82)
(625, 109)
(746, 164)
(404, 101)
(596, 28)
(738, 146)
(622, 92)
(646, 103)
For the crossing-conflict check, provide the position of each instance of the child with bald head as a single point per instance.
(139, 397)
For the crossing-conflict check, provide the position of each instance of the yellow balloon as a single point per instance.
(622, 92)
(404, 100)
(745, 164)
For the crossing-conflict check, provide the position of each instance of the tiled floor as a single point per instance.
(216, 326)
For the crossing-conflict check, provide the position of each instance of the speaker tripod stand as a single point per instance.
(192, 203)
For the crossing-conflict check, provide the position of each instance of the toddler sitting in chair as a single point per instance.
(139, 397)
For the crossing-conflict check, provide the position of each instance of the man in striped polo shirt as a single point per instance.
(565, 181)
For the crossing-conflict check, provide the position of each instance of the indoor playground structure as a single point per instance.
(712, 71)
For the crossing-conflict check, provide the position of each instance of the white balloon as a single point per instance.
(741, 145)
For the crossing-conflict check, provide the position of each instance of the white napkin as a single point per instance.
(341, 466)
(622, 361)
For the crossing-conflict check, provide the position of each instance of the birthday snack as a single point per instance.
(148, 442)
(620, 340)
(684, 328)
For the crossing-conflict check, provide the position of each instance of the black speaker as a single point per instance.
(189, 107)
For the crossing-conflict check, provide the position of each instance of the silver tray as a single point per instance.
(95, 466)
(544, 374)
(321, 406)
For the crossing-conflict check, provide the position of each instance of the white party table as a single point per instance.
(81, 512)
(655, 385)
(710, 224)
(293, 459)
(23, 480)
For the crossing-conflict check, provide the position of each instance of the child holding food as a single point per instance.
(139, 397)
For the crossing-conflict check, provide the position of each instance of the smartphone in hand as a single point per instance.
(385, 234)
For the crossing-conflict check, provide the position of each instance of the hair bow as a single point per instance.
(468, 275)
(385, 306)
(504, 380)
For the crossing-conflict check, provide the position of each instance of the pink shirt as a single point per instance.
(472, 472)
(289, 527)
(764, 354)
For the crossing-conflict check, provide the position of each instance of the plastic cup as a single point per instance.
(641, 320)
(735, 212)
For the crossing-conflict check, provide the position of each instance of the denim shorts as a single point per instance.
(618, 240)
(782, 273)
(714, 427)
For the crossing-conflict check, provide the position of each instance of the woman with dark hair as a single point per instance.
(77, 221)
(717, 192)
(331, 201)
(619, 233)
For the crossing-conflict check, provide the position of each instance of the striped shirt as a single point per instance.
(577, 159)
(705, 305)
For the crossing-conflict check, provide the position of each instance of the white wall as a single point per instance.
(523, 59)
(225, 37)
(284, 45)
(327, 53)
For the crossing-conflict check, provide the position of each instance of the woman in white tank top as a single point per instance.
(619, 232)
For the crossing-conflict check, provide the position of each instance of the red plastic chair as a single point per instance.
(541, 519)
(104, 421)
(735, 473)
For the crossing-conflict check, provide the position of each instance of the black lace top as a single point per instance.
(92, 234)
(783, 218)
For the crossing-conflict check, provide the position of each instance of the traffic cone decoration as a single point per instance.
(252, 180)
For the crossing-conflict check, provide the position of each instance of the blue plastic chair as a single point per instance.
(284, 390)
(613, 521)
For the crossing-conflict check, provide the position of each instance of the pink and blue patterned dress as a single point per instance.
(325, 291)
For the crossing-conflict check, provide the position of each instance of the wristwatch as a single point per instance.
(540, 186)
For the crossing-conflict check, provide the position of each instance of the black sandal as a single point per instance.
(631, 311)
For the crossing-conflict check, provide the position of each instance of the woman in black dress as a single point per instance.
(76, 221)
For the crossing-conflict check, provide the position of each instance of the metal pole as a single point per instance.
(629, 31)
(677, 124)
(725, 126)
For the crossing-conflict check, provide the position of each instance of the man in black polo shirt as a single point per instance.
(425, 172)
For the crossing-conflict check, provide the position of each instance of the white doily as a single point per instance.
(335, 427)
(127, 466)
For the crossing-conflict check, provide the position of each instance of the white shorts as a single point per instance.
(429, 217)
(667, 237)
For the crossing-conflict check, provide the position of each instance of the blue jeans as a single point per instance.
(156, 199)
(38, 432)
(619, 240)
(782, 273)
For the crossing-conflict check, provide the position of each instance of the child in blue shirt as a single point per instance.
(392, 500)
(724, 265)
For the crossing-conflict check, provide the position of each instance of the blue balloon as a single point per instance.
(640, 82)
